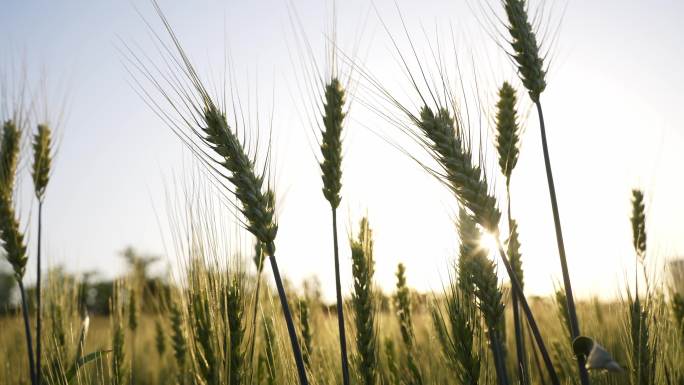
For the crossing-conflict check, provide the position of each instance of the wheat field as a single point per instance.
(227, 315)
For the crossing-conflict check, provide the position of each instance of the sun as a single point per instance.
(488, 241)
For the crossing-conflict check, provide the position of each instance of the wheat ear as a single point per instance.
(331, 171)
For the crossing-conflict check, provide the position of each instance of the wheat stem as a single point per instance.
(299, 360)
(340, 304)
(515, 283)
(38, 302)
(572, 313)
(27, 330)
(42, 160)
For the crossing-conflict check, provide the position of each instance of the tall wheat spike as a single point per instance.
(643, 358)
(331, 170)
(42, 160)
(12, 238)
(533, 76)
(507, 145)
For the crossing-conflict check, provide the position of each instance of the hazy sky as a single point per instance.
(613, 109)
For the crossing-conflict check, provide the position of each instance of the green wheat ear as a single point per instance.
(464, 178)
(257, 206)
(526, 48)
(638, 223)
(331, 144)
(42, 159)
(12, 238)
(507, 129)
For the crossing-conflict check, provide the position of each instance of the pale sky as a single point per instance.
(613, 122)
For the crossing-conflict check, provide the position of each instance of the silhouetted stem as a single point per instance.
(27, 329)
(340, 304)
(288, 320)
(38, 295)
(574, 324)
(523, 370)
(530, 317)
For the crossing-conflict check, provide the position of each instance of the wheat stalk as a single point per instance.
(532, 74)
(12, 238)
(331, 173)
(214, 141)
(507, 145)
(42, 160)
(642, 354)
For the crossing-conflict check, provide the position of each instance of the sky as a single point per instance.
(612, 109)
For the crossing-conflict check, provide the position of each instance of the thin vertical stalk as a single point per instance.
(523, 370)
(27, 329)
(301, 371)
(515, 283)
(574, 324)
(38, 294)
(340, 304)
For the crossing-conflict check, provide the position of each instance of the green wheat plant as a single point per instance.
(206, 131)
(402, 301)
(364, 306)
(12, 237)
(331, 169)
(40, 172)
(530, 65)
(641, 333)
(507, 145)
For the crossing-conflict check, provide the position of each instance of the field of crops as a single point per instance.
(228, 316)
